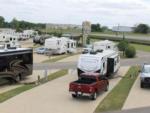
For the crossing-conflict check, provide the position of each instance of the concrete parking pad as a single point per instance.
(53, 97)
(138, 97)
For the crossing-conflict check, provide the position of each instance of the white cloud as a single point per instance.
(107, 12)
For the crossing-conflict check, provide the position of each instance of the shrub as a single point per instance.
(130, 52)
(122, 45)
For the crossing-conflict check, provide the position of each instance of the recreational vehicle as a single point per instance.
(15, 64)
(12, 40)
(104, 45)
(60, 45)
(106, 62)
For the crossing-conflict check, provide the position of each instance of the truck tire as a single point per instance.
(142, 85)
(107, 87)
(74, 95)
(94, 96)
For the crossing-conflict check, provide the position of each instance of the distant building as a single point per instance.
(123, 29)
(62, 26)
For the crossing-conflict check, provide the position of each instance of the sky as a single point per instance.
(105, 12)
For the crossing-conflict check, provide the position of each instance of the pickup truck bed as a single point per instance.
(88, 85)
(85, 81)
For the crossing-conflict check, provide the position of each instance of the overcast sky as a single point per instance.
(105, 12)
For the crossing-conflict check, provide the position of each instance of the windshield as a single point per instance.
(146, 70)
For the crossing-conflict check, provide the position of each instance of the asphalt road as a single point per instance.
(136, 37)
(137, 110)
(73, 65)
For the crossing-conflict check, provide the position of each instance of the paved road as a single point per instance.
(138, 97)
(137, 110)
(137, 37)
(53, 97)
(73, 65)
(71, 62)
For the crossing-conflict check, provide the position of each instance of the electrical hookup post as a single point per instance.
(86, 30)
(45, 75)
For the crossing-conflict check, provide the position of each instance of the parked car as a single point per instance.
(41, 50)
(145, 75)
(89, 84)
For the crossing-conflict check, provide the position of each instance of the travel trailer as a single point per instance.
(11, 40)
(106, 62)
(104, 45)
(16, 64)
(60, 45)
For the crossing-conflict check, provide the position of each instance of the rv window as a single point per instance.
(72, 45)
(68, 45)
(108, 47)
(58, 42)
(3, 36)
(10, 39)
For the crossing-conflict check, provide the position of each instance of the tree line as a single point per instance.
(140, 28)
(20, 25)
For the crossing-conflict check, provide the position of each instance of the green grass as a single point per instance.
(11, 93)
(57, 58)
(142, 47)
(116, 98)
(120, 34)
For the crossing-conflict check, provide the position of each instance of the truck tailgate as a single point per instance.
(83, 88)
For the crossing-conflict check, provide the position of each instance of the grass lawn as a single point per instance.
(116, 98)
(142, 47)
(11, 93)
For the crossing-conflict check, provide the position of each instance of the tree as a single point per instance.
(15, 24)
(2, 21)
(96, 28)
(130, 52)
(122, 45)
(142, 28)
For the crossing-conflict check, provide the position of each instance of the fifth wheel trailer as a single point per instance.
(106, 62)
(16, 64)
(60, 45)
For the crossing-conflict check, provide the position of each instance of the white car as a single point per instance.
(145, 75)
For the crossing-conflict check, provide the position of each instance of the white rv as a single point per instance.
(11, 40)
(60, 45)
(106, 62)
(104, 45)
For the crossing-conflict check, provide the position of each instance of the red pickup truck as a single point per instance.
(89, 84)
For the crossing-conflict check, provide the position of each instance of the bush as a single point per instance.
(130, 52)
(122, 45)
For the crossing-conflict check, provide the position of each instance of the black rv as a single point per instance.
(16, 64)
